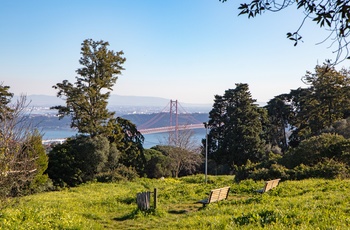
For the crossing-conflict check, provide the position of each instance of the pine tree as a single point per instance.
(236, 125)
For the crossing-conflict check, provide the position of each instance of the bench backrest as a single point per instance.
(271, 184)
(218, 194)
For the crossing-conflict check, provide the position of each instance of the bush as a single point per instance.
(328, 169)
(79, 159)
(121, 173)
(311, 151)
(266, 170)
(157, 164)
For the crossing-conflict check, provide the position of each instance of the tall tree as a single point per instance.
(331, 15)
(86, 99)
(331, 91)
(86, 103)
(279, 113)
(237, 128)
(325, 101)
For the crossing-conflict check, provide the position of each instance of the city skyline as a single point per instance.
(176, 49)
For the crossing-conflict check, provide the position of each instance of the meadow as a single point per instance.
(306, 204)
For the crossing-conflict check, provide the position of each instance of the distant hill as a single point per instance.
(114, 100)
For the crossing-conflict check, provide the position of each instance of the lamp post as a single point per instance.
(206, 151)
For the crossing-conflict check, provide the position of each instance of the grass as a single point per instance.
(306, 204)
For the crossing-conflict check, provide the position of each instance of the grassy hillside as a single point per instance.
(307, 204)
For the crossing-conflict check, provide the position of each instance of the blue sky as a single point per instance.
(189, 50)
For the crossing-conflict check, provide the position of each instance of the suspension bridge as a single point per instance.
(173, 118)
(173, 109)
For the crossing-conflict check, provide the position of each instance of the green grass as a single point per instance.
(307, 204)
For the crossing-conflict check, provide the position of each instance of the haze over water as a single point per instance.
(150, 139)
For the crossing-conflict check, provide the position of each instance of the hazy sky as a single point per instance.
(188, 50)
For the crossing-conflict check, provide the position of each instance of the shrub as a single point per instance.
(79, 159)
(311, 151)
(157, 164)
(121, 173)
(265, 170)
(328, 168)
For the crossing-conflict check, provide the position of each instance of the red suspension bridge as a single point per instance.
(172, 110)
(172, 119)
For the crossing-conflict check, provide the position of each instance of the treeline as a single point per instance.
(300, 134)
(106, 148)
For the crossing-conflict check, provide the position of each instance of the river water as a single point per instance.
(150, 139)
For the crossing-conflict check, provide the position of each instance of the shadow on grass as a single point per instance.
(136, 213)
(184, 209)
(127, 216)
(178, 211)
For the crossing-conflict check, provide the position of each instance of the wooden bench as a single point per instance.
(216, 195)
(269, 185)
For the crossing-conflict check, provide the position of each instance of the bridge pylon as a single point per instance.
(174, 121)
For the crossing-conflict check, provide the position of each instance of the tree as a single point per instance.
(180, 161)
(23, 159)
(280, 114)
(236, 127)
(86, 99)
(182, 153)
(131, 144)
(157, 164)
(317, 107)
(341, 127)
(5, 99)
(314, 150)
(331, 15)
(80, 159)
(33, 148)
(331, 89)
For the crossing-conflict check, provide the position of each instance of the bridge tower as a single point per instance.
(174, 122)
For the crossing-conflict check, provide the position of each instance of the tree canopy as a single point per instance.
(86, 99)
(236, 127)
(333, 16)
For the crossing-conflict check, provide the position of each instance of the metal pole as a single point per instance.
(206, 151)
(155, 198)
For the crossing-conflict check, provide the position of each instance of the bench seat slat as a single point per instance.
(216, 195)
(269, 185)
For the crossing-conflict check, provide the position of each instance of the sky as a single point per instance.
(186, 50)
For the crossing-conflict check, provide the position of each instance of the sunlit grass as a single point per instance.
(307, 204)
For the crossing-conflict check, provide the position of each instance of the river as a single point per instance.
(150, 139)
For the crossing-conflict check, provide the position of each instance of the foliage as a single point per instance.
(279, 114)
(34, 148)
(80, 159)
(5, 99)
(313, 150)
(22, 157)
(131, 145)
(157, 164)
(266, 170)
(308, 112)
(305, 204)
(341, 127)
(119, 173)
(86, 103)
(180, 161)
(327, 168)
(331, 15)
(86, 99)
(236, 128)
(323, 156)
